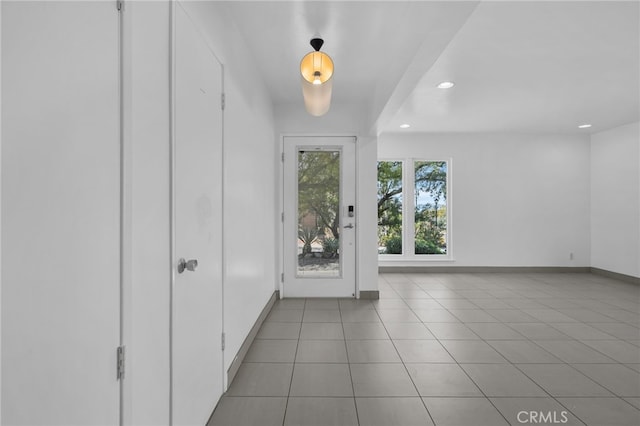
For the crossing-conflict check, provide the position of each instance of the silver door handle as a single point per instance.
(350, 226)
(189, 265)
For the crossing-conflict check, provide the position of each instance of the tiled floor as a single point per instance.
(448, 349)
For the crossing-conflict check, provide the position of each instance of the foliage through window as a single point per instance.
(390, 207)
(430, 222)
(423, 189)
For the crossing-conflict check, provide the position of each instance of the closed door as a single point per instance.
(197, 364)
(60, 213)
(320, 217)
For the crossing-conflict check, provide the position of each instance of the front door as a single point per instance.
(197, 364)
(320, 217)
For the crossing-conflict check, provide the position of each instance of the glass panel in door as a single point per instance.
(318, 210)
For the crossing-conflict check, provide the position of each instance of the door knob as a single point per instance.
(189, 265)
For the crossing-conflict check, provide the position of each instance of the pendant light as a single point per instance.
(316, 69)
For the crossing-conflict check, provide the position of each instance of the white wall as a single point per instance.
(147, 314)
(615, 200)
(60, 217)
(249, 167)
(345, 120)
(516, 199)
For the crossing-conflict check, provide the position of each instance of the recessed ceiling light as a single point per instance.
(584, 126)
(405, 126)
(446, 85)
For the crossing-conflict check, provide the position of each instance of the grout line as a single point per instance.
(293, 369)
(353, 388)
(404, 365)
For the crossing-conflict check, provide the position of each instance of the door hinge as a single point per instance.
(282, 277)
(283, 157)
(120, 363)
(223, 341)
(223, 100)
(282, 217)
(119, 5)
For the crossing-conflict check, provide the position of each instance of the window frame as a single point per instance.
(409, 207)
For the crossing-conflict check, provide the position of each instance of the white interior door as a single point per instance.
(320, 217)
(60, 213)
(197, 364)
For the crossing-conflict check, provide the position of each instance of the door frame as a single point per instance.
(281, 208)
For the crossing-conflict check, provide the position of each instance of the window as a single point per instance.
(430, 220)
(390, 207)
(421, 186)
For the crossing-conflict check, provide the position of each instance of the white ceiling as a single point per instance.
(544, 66)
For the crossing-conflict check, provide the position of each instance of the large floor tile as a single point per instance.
(562, 380)
(323, 304)
(407, 331)
(249, 411)
(538, 331)
(524, 303)
(422, 304)
(464, 412)
(321, 380)
(392, 411)
(407, 294)
(384, 304)
(397, 315)
(632, 318)
(618, 350)
(360, 315)
(511, 316)
(442, 380)
(523, 351)
(256, 379)
(435, 315)
(355, 304)
(321, 412)
(549, 315)
(321, 331)
(297, 304)
(285, 315)
(472, 351)
(535, 411)
(279, 330)
(571, 351)
(634, 401)
(619, 379)
(603, 411)
(619, 330)
(451, 330)
(272, 351)
(365, 331)
(321, 315)
(367, 351)
(473, 315)
(443, 294)
(584, 315)
(422, 351)
(490, 303)
(502, 380)
(580, 331)
(494, 331)
(321, 351)
(388, 380)
(457, 304)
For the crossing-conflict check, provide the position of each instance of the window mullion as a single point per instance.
(408, 219)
